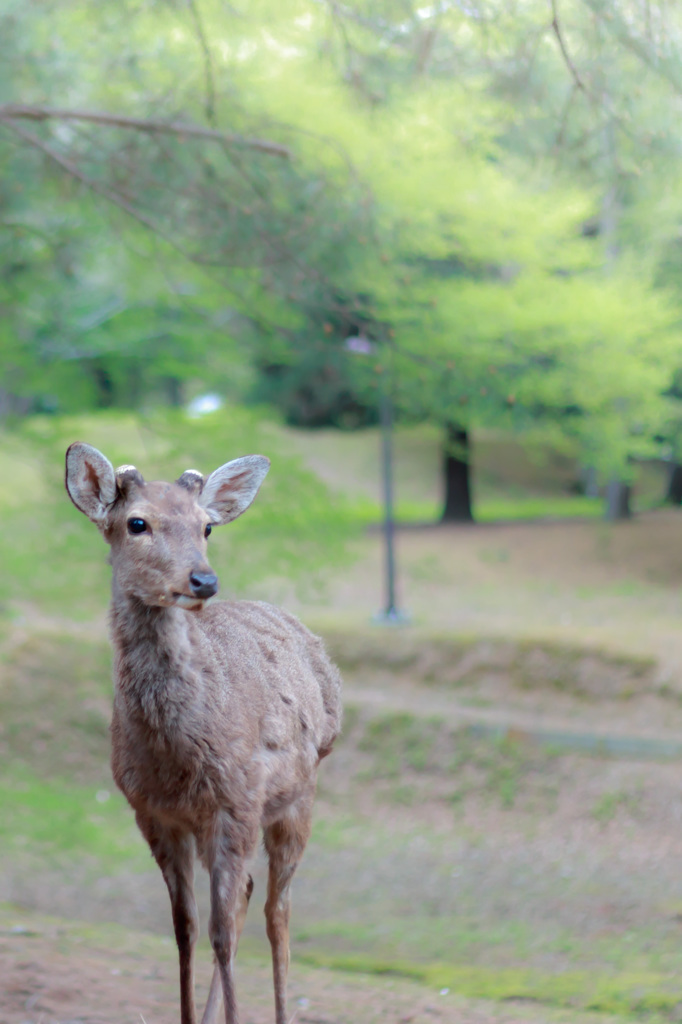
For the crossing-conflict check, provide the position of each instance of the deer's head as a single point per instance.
(158, 531)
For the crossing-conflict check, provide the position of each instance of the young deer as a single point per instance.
(222, 712)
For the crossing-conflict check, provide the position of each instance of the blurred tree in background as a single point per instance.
(196, 195)
(576, 94)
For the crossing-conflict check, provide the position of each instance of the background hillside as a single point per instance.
(500, 821)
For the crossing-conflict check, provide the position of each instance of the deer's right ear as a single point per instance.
(90, 481)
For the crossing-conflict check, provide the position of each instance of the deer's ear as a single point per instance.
(229, 491)
(90, 481)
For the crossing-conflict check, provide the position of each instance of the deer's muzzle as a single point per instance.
(203, 584)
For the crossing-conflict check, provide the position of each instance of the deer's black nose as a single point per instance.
(203, 584)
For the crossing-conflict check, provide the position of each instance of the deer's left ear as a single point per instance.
(229, 490)
(90, 481)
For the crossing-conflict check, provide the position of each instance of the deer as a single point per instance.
(222, 711)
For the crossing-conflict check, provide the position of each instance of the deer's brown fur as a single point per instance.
(222, 712)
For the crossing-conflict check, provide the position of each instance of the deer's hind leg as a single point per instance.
(173, 851)
(284, 840)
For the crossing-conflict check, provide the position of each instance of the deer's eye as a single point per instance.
(137, 526)
(207, 531)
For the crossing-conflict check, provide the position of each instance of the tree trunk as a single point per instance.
(457, 508)
(618, 500)
(674, 493)
(589, 483)
(175, 393)
(104, 386)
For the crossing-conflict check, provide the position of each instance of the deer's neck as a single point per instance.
(153, 655)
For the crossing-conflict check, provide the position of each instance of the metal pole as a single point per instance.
(391, 615)
(362, 345)
(386, 412)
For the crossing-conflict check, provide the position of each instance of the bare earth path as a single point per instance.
(612, 586)
(587, 851)
(57, 972)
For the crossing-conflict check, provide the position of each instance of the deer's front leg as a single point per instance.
(174, 853)
(229, 883)
(215, 995)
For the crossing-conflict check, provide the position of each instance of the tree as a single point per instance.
(219, 230)
(457, 504)
(398, 200)
(586, 88)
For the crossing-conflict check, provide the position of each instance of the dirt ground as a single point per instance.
(612, 586)
(57, 972)
(555, 848)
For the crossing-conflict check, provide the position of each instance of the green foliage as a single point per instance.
(490, 298)
(503, 229)
(165, 249)
(314, 387)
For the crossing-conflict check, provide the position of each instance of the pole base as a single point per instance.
(391, 617)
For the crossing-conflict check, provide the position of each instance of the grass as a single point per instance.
(631, 994)
(402, 747)
(451, 660)
(366, 512)
(607, 806)
(539, 507)
(59, 819)
(55, 706)
(400, 741)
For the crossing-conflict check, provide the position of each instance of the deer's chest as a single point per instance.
(179, 760)
(159, 751)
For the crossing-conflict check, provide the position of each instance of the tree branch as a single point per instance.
(24, 112)
(208, 64)
(95, 186)
(556, 28)
(117, 199)
(666, 67)
(559, 141)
